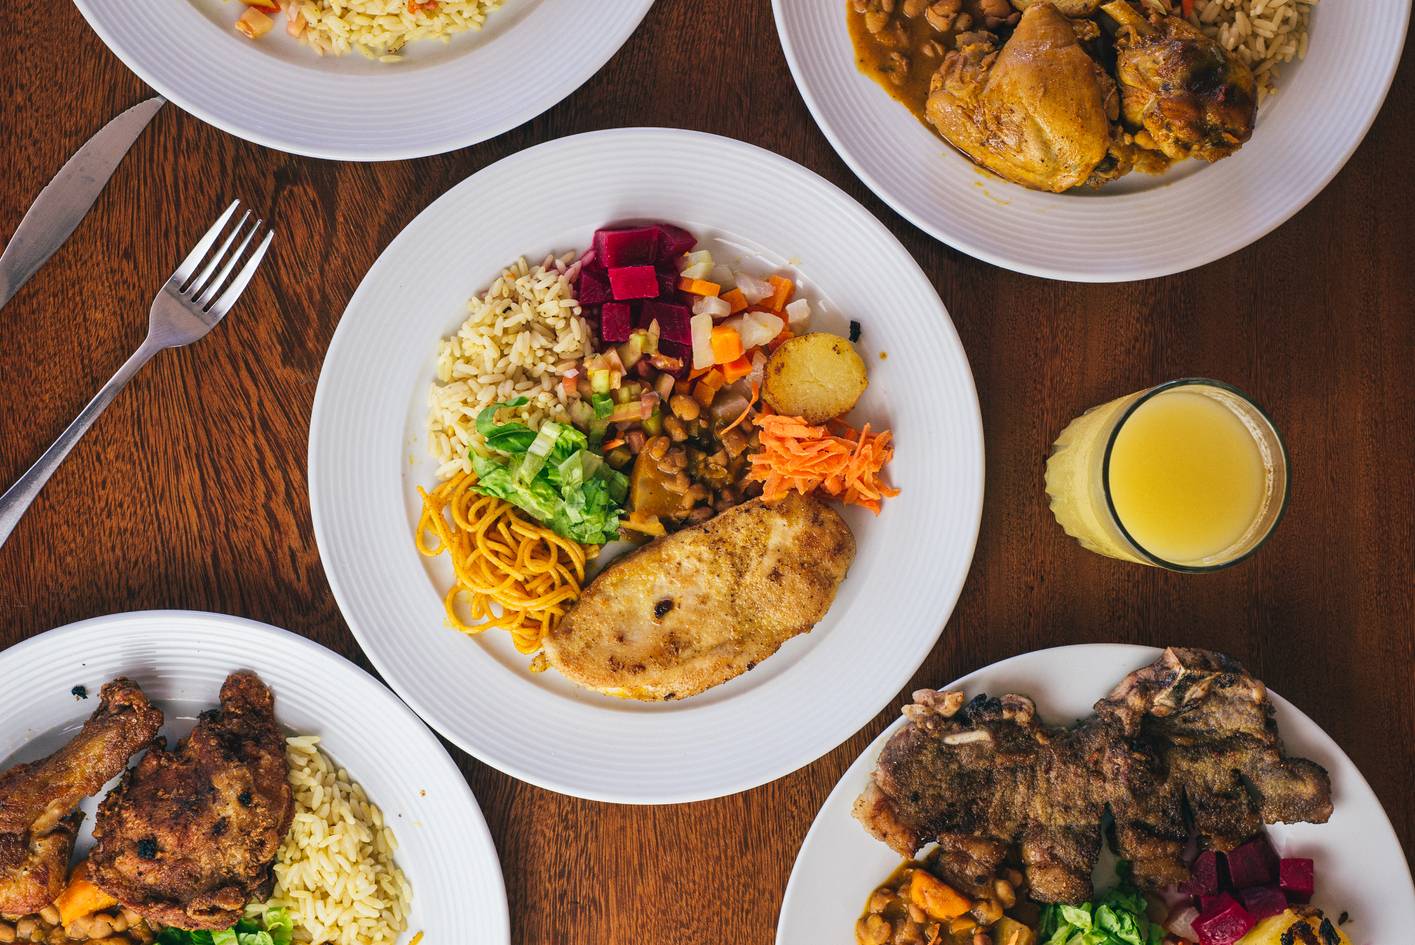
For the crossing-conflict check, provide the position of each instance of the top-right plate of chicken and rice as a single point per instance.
(1078, 93)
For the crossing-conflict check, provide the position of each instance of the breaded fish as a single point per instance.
(705, 604)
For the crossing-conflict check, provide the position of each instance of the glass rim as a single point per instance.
(1110, 501)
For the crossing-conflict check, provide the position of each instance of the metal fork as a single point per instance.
(190, 303)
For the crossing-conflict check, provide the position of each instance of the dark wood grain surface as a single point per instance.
(191, 492)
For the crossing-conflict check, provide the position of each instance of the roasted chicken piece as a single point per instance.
(189, 836)
(705, 604)
(1072, 8)
(38, 820)
(1181, 93)
(1037, 112)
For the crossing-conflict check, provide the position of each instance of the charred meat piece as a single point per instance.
(38, 819)
(1192, 733)
(707, 603)
(189, 836)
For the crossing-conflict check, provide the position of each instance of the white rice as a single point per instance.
(380, 28)
(1262, 33)
(335, 873)
(520, 338)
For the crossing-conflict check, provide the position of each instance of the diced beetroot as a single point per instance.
(633, 282)
(593, 287)
(1295, 877)
(616, 322)
(674, 321)
(1205, 876)
(1211, 903)
(1252, 864)
(668, 285)
(1263, 901)
(674, 241)
(1225, 923)
(680, 354)
(632, 247)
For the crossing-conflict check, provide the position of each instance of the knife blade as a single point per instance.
(66, 199)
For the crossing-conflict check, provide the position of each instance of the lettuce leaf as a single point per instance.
(276, 929)
(1116, 917)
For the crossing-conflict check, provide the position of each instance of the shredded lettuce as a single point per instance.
(1116, 917)
(552, 475)
(275, 928)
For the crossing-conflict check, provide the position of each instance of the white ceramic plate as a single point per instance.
(279, 93)
(180, 659)
(1135, 228)
(368, 455)
(1360, 867)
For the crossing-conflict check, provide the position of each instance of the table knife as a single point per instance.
(66, 199)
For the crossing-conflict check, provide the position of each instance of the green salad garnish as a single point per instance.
(275, 928)
(551, 474)
(1116, 917)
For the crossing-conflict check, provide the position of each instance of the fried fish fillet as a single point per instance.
(705, 604)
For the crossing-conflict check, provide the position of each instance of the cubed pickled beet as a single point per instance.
(631, 247)
(1223, 924)
(674, 241)
(1295, 877)
(633, 282)
(674, 321)
(593, 287)
(1263, 901)
(616, 321)
(1205, 876)
(1209, 903)
(668, 285)
(1252, 864)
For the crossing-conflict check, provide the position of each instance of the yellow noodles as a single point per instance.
(512, 573)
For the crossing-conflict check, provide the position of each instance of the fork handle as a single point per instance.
(18, 498)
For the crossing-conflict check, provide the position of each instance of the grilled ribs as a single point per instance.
(1190, 733)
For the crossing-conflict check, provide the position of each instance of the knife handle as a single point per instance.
(18, 498)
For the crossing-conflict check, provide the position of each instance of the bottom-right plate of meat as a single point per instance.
(1101, 795)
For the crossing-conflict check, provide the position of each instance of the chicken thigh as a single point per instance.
(1038, 111)
(1181, 93)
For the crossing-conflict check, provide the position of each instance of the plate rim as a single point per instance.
(509, 766)
(437, 753)
(1127, 273)
(447, 143)
(1141, 652)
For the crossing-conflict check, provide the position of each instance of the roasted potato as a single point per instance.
(814, 376)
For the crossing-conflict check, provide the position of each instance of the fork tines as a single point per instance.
(201, 290)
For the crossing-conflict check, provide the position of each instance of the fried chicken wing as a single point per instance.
(189, 836)
(38, 820)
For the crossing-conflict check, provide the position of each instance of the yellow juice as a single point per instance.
(1195, 476)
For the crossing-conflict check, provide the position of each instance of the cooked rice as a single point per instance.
(520, 337)
(335, 873)
(380, 28)
(1262, 33)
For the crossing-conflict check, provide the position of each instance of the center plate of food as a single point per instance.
(772, 261)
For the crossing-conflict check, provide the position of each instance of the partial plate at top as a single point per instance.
(368, 454)
(274, 91)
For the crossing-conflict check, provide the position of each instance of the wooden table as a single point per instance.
(191, 492)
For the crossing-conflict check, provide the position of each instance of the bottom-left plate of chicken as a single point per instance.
(178, 778)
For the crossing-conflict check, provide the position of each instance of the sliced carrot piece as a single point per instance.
(726, 345)
(738, 369)
(699, 287)
(736, 299)
(782, 295)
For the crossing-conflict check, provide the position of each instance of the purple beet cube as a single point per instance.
(1210, 903)
(633, 282)
(593, 287)
(1263, 901)
(1252, 864)
(616, 321)
(1295, 877)
(668, 285)
(674, 241)
(1205, 876)
(633, 247)
(674, 321)
(1223, 924)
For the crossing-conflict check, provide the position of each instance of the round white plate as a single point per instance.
(181, 658)
(1140, 226)
(368, 455)
(1360, 867)
(274, 91)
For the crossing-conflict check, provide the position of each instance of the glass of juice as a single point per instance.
(1190, 476)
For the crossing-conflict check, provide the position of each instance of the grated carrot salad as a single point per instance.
(796, 455)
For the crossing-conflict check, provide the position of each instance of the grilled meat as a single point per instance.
(189, 836)
(705, 604)
(1180, 735)
(38, 819)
